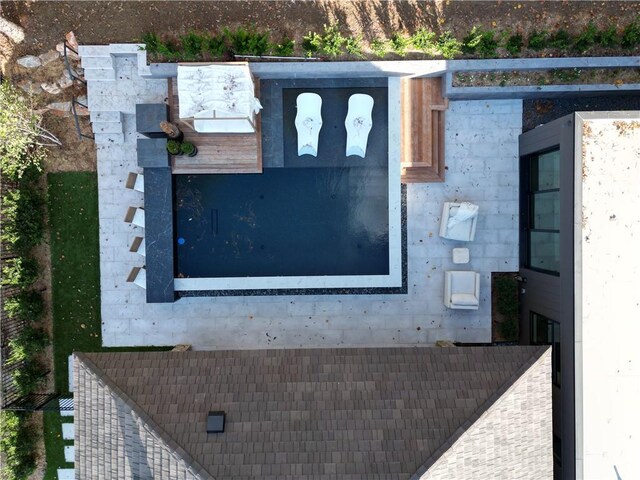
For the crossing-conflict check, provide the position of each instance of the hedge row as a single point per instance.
(332, 42)
(23, 227)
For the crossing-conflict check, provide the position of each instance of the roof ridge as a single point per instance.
(190, 464)
(493, 399)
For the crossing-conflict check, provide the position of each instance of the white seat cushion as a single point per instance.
(465, 299)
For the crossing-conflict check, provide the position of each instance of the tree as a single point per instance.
(22, 135)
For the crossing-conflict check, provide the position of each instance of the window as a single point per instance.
(545, 331)
(543, 212)
(557, 450)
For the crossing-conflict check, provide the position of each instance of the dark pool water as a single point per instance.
(284, 222)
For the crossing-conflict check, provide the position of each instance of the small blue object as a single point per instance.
(181, 241)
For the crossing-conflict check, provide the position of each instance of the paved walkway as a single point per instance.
(481, 155)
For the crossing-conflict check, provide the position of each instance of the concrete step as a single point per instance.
(107, 127)
(109, 138)
(97, 62)
(125, 48)
(99, 74)
(106, 116)
(94, 50)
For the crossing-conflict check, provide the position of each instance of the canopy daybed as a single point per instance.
(218, 98)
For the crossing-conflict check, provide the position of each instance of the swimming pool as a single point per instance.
(326, 222)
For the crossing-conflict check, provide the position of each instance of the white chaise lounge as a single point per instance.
(462, 290)
(308, 123)
(358, 124)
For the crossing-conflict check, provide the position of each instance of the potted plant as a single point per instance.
(189, 149)
(173, 147)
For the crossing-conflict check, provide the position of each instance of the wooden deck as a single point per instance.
(217, 152)
(422, 130)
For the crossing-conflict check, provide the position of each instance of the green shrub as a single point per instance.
(28, 378)
(448, 45)
(18, 443)
(424, 40)
(538, 40)
(586, 39)
(216, 46)
(27, 305)
(247, 41)
(631, 35)
(169, 50)
(380, 47)
(510, 328)
(514, 44)
(285, 48)
(332, 40)
(608, 37)
(23, 225)
(353, 46)
(152, 42)
(311, 44)
(507, 295)
(21, 133)
(187, 148)
(29, 343)
(481, 42)
(400, 43)
(560, 40)
(192, 45)
(20, 272)
(174, 147)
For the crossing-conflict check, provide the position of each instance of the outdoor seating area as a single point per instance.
(217, 108)
(487, 129)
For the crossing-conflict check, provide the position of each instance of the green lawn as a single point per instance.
(75, 268)
(54, 443)
(75, 279)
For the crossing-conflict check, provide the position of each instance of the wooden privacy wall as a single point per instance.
(422, 130)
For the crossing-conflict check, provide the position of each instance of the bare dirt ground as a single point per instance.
(101, 22)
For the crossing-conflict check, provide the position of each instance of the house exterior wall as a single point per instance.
(607, 231)
(511, 440)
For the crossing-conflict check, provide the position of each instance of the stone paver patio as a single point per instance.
(482, 159)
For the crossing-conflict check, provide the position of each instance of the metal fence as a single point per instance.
(10, 327)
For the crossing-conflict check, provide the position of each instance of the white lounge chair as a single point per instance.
(135, 181)
(459, 221)
(308, 123)
(462, 290)
(358, 124)
(135, 216)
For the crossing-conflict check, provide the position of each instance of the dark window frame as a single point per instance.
(556, 364)
(530, 175)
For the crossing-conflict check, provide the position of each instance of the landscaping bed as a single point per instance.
(559, 76)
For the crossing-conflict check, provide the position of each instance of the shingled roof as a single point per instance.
(317, 413)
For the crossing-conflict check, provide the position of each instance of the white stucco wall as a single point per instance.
(608, 295)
